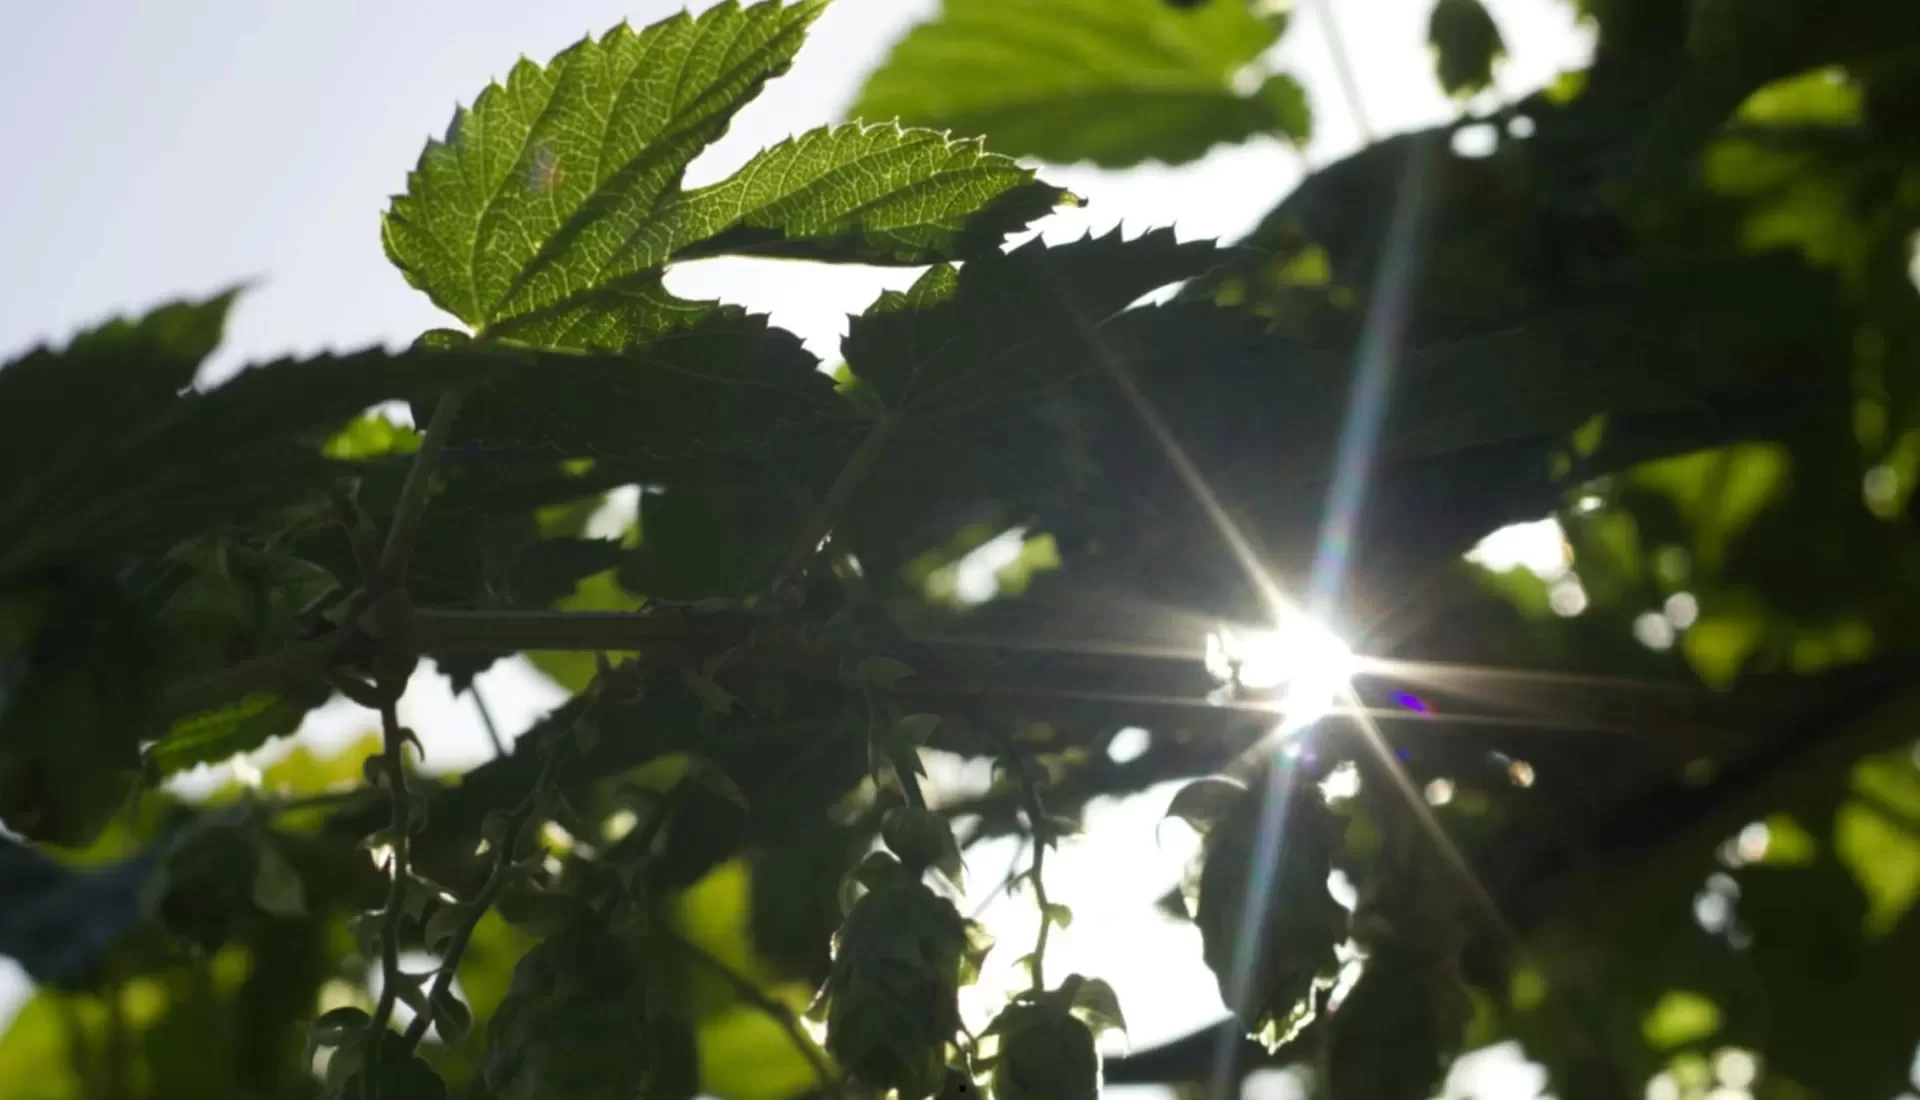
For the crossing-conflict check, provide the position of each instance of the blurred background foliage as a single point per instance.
(1662, 314)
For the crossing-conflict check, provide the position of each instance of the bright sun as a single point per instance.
(1301, 660)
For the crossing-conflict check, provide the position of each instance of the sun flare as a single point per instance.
(1301, 660)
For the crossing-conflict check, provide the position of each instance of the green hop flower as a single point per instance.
(891, 995)
(1302, 922)
(573, 1023)
(1045, 1054)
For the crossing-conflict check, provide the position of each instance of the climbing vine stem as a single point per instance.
(498, 877)
(1043, 837)
(395, 739)
(412, 508)
(833, 506)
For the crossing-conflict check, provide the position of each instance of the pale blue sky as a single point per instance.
(167, 149)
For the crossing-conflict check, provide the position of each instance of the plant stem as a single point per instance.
(821, 523)
(823, 1073)
(395, 742)
(1042, 837)
(497, 877)
(405, 529)
(486, 720)
(580, 631)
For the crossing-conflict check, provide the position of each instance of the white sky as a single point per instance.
(173, 149)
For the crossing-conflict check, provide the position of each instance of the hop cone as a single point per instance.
(1398, 1028)
(1301, 922)
(573, 1023)
(1045, 1054)
(891, 995)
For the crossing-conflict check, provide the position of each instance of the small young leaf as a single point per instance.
(883, 672)
(451, 1017)
(714, 699)
(1205, 801)
(277, 888)
(417, 809)
(536, 912)
(922, 839)
(714, 780)
(496, 828)
(1099, 1005)
(410, 988)
(337, 1026)
(1060, 916)
(446, 923)
(365, 928)
(915, 729)
(586, 733)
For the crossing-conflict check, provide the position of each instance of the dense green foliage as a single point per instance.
(1655, 815)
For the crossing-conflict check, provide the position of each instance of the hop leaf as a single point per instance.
(1205, 801)
(1116, 82)
(277, 887)
(551, 207)
(1096, 1003)
(922, 839)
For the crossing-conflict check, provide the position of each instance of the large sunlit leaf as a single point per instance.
(550, 208)
(535, 195)
(873, 194)
(1116, 82)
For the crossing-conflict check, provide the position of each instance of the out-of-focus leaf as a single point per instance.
(1116, 82)
(1681, 1017)
(1876, 834)
(156, 464)
(1466, 43)
(61, 923)
(80, 675)
(277, 888)
(215, 736)
(747, 1054)
(1395, 1032)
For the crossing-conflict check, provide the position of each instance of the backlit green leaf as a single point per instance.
(542, 193)
(1116, 82)
(549, 210)
(872, 194)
